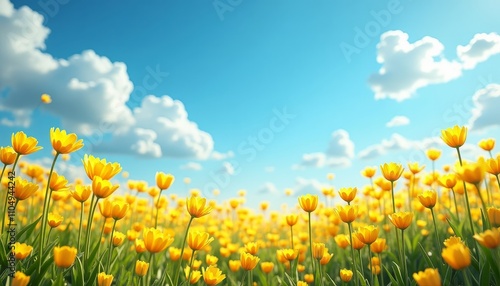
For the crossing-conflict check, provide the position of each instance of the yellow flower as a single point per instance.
(448, 181)
(493, 166)
(345, 275)
(102, 188)
(104, 280)
(118, 238)
(198, 240)
(7, 155)
(379, 245)
(428, 198)
(213, 275)
(342, 240)
(292, 219)
(24, 189)
(20, 279)
(118, 209)
(23, 144)
(197, 207)
(164, 181)
(368, 234)
(347, 213)
(99, 167)
(433, 154)
(356, 242)
(428, 277)
(494, 216)
(234, 265)
(58, 183)
(472, 173)
(22, 250)
(252, 248)
(454, 136)
(308, 202)
(64, 256)
(401, 220)
(452, 240)
(326, 258)
(369, 172)
(141, 268)
(211, 259)
(489, 238)
(195, 275)
(105, 207)
(54, 220)
(318, 250)
(391, 171)
(348, 194)
(487, 144)
(248, 261)
(415, 168)
(64, 143)
(140, 246)
(155, 240)
(81, 193)
(267, 267)
(45, 98)
(457, 256)
(309, 278)
(302, 283)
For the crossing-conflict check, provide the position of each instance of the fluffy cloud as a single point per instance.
(398, 120)
(307, 186)
(268, 188)
(193, 166)
(221, 156)
(89, 94)
(407, 66)
(227, 168)
(339, 153)
(479, 49)
(397, 143)
(485, 111)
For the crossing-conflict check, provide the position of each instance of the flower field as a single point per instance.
(411, 224)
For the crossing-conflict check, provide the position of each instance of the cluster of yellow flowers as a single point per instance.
(140, 236)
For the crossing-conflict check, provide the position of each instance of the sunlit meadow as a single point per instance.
(438, 227)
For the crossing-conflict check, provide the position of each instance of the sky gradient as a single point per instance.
(251, 95)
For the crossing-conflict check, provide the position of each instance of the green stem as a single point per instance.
(150, 272)
(310, 244)
(466, 277)
(354, 268)
(250, 278)
(80, 225)
(466, 196)
(190, 267)
(291, 235)
(176, 277)
(44, 213)
(381, 270)
(110, 254)
(361, 265)
(93, 204)
(371, 264)
(157, 208)
(403, 256)
(456, 205)
(438, 241)
(6, 199)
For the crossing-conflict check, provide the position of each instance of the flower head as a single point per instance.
(308, 202)
(292, 219)
(391, 171)
(487, 144)
(20, 279)
(197, 207)
(54, 220)
(45, 98)
(318, 250)
(457, 256)
(345, 275)
(347, 213)
(379, 245)
(368, 234)
(64, 256)
(348, 194)
(99, 167)
(155, 240)
(494, 216)
(7, 155)
(104, 279)
(24, 145)
(141, 268)
(428, 277)
(401, 220)
(58, 183)
(267, 267)
(248, 261)
(433, 154)
(492, 165)
(64, 143)
(198, 240)
(489, 238)
(164, 181)
(454, 136)
(448, 180)
(102, 188)
(22, 250)
(81, 193)
(24, 189)
(472, 173)
(428, 198)
(213, 275)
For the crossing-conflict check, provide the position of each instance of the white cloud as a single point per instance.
(307, 186)
(407, 66)
(396, 143)
(479, 49)
(193, 166)
(89, 95)
(398, 120)
(268, 188)
(227, 168)
(221, 156)
(485, 111)
(339, 153)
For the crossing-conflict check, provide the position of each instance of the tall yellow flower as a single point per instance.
(102, 188)
(433, 154)
(428, 198)
(391, 171)
(348, 194)
(198, 240)
(489, 238)
(292, 219)
(58, 182)
(118, 209)
(401, 220)
(448, 181)
(104, 279)
(494, 216)
(99, 167)
(318, 250)
(164, 181)
(457, 256)
(493, 166)
(368, 234)
(454, 136)
(22, 250)
(64, 143)
(81, 193)
(64, 256)
(213, 275)
(24, 145)
(20, 279)
(24, 189)
(308, 202)
(155, 240)
(7, 155)
(369, 172)
(197, 207)
(248, 261)
(472, 173)
(347, 213)
(487, 144)
(345, 275)
(141, 268)
(428, 277)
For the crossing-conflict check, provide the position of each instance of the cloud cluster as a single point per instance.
(398, 142)
(480, 48)
(89, 95)
(484, 112)
(399, 120)
(339, 153)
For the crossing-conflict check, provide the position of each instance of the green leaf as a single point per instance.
(427, 258)
(28, 230)
(78, 273)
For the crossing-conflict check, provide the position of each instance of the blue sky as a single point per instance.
(252, 95)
